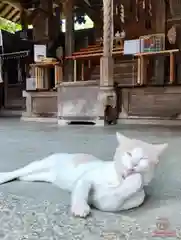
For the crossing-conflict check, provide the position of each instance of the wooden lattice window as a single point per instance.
(175, 8)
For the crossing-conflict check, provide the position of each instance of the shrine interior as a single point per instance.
(146, 82)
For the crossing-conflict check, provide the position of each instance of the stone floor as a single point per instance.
(41, 211)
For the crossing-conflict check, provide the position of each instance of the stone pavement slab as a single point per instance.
(41, 211)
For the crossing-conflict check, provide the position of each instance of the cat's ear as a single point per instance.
(120, 137)
(160, 148)
(157, 151)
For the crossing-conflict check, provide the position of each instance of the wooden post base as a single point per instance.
(107, 102)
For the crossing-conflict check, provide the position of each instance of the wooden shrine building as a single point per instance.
(128, 66)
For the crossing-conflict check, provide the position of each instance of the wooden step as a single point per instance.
(119, 68)
(125, 72)
(123, 82)
(117, 72)
(117, 75)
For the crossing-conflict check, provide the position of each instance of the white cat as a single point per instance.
(109, 186)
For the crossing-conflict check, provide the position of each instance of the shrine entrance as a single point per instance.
(14, 59)
(14, 79)
(127, 66)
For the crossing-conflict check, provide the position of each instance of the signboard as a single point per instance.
(39, 52)
(30, 84)
(131, 47)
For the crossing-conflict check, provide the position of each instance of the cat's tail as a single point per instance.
(6, 177)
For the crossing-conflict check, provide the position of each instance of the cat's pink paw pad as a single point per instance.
(80, 209)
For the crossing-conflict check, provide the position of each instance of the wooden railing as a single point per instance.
(142, 64)
(96, 52)
(89, 55)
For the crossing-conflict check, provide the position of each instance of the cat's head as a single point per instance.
(134, 161)
(133, 155)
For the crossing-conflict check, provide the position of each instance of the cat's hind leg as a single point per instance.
(39, 177)
(35, 167)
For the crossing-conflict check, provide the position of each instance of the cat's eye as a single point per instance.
(129, 154)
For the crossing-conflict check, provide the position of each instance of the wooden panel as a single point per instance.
(44, 106)
(125, 72)
(175, 8)
(153, 101)
(78, 102)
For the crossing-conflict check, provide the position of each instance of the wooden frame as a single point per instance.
(142, 64)
(41, 74)
(87, 56)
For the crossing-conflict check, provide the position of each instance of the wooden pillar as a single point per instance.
(50, 19)
(24, 23)
(175, 34)
(107, 93)
(23, 19)
(178, 55)
(43, 29)
(160, 7)
(98, 29)
(58, 19)
(69, 39)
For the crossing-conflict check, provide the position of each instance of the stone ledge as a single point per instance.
(153, 122)
(38, 119)
(79, 83)
(39, 94)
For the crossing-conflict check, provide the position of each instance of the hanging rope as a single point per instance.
(108, 27)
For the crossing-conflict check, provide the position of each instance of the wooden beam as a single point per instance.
(12, 13)
(1, 4)
(13, 3)
(15, 13)
(23, 19)
(16, 18)
(94, 15)
(6, 11)
(68, 8)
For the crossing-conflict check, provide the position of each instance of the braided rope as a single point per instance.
(108, 27)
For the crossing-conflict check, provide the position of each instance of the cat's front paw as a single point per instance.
(80, 209)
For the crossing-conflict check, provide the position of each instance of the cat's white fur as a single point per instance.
(109, 186)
